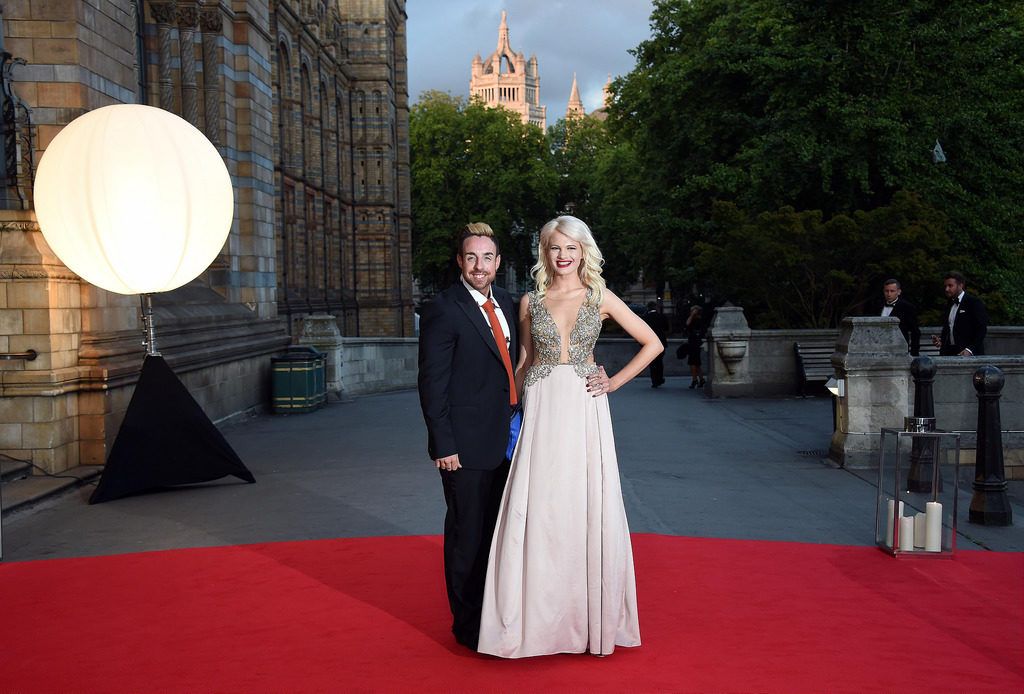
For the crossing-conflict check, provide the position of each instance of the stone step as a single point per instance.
(22, 488)
(12, 469)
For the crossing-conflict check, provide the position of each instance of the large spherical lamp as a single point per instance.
(137, 201)
(133, 199)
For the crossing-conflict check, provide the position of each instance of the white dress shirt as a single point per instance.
(952, 313)
(480, 300)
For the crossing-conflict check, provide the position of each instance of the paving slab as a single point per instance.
(729, 468)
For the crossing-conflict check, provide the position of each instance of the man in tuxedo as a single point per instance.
(895, 305)
(467, 393)
(965, 325)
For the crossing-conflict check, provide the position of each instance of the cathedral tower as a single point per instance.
(507, 79)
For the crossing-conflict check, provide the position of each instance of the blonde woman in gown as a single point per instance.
(560, 570)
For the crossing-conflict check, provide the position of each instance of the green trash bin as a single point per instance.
(299, 382)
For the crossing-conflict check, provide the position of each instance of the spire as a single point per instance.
(503, 46)
(606, 93)
(575, 107)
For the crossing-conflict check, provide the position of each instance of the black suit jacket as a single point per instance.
(463, 385)
(968, 330)
(907, 313)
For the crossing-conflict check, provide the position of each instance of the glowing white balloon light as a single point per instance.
(133, 199)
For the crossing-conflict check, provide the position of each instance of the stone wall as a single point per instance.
(956, 405)
(615, 352)
(377, 365)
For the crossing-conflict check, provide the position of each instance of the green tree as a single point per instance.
(797, 269)
(834, 107)
(473, 163)
(601, 182)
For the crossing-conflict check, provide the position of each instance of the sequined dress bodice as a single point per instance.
(547, 342)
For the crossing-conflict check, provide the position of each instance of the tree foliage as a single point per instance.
(815, 113)
(600, 182)
(800, 270)
(472, 163)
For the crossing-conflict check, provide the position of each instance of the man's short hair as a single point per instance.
(476, 229)
(954, 275)
(892, 281)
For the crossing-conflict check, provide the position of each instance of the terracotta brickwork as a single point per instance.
(307, 102)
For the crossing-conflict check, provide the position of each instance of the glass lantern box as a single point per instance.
(916, 506)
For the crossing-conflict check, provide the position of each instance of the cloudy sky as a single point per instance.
(589, 37)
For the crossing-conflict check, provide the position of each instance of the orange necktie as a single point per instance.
(499, 339)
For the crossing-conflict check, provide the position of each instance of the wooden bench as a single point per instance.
(814, 362)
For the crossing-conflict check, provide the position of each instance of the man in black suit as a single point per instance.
(896, 306)
(467, 393)
(965, 325)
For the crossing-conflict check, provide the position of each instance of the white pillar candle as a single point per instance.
(919, 530)
(906, 533)
(890, 520)
(933, 526)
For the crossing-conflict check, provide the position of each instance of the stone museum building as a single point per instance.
(508, 79)
(306, 100)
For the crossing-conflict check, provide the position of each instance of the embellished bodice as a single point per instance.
(547, 342)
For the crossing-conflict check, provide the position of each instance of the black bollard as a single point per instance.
(989, 504)
(924, 450)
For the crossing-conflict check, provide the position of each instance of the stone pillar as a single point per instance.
(188, 18)
(212, 24)
(871, 356)
(728, 354)
(320, 331)
(164, 15)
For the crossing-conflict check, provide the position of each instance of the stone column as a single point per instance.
(320, 331)
(188, 18)
(211, 24)
(871, 356)
(728, 354)
(163, 15)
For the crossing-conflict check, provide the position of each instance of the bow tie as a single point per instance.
(891, 305)
(954, 301)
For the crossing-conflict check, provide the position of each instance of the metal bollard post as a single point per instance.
(989, 504)
(923, 450)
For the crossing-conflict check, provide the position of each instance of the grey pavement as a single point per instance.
(742, 468)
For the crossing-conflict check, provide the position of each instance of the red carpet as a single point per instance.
(369, 615)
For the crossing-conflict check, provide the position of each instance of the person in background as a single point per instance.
(895, 305)
(694, 338)
(659, 324)
(966, 322)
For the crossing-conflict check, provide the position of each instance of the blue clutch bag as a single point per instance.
(514, 427)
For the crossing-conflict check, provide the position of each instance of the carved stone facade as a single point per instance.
(508, 79)
(307, 102)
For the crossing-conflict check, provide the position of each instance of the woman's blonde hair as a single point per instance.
(590, 262)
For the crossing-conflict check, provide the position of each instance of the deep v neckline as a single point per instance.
(576, 322)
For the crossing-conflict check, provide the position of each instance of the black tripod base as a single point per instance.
(165, 440)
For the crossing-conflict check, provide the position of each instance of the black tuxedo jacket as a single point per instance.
(463, 385)
(968, 330)
(907, 313)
